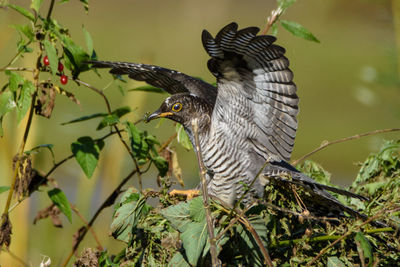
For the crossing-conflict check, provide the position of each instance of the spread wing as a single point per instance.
(254, 87)
(171, 81)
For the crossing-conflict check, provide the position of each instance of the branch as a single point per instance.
(354, 137)
(50, 10)
(75, 209)
(275, 14)
(24, 139)
(100, 92)
(350, 231)
(213, 249)
(108, 202)
(241, 217)
(55, 166)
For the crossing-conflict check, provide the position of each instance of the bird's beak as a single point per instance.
(158, 114)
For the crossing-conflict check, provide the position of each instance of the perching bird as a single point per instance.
(247, 122)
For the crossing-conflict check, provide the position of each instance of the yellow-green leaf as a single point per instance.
(298, 30)
(60, 200)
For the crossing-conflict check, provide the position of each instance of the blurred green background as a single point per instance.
(347, 84)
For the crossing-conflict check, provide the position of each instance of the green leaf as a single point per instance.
(139, 146)
(36, 5)
(249, 244)
(26, 30)
(178, 215)
(119, 112)
(25, 99)
(4, 189)
(194, 240)
(129, 211)
(52, 54)
(36, 148)
(85, 118)
(148, 88)
(161, 165)
(86, 152)
(183, 138)
(89, 41)
(75, 54)
(108, 120)
(366, 247)
(14, 80)
(298, 30)
(284, 4)
(335, 262)
(196, 209)
(178, 261)
(22, 11)
(7, 102)
(60, 200)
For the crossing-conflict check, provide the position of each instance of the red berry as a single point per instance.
(63, 79)
(60, 67)
(46, 61)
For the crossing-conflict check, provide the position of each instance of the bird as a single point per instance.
(247, 123)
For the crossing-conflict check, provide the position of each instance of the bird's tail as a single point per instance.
(322, 201)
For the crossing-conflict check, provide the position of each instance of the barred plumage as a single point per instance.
(248, 120)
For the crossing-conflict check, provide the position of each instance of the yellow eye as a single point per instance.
(177, 107)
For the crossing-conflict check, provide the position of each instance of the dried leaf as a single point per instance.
(46, 100)
(5, 231)
(24, 177)
(51, 211)
(70, 95)
(89, 258)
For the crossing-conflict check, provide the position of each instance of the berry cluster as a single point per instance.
(63, 78)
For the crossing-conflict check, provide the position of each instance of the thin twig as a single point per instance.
(50, 10)
(100, 92)
(264, 251)
(350, 231)
(108, 202)
(242, 218)
(275, 14)
(170, 139)
(206, 202)
(15, 257)
(22, 146)
(325, 237)
(328, 143)
(55, 166)
(15, 57)
(75, 209)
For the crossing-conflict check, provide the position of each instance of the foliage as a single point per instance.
(292, 237)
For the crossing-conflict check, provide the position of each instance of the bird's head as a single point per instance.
(183, 108)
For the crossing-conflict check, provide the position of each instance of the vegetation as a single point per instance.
(275, 231)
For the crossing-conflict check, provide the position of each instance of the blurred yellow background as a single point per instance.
(347, 84)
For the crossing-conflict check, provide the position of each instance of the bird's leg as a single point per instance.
(191, 193)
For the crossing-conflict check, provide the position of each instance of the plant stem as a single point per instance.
(50, 9)
(206, 202)
(354, 137)
(75, 209)
(100, 92)
(108, 202)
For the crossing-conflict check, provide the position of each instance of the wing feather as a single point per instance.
(252, 69)
(171, 81)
